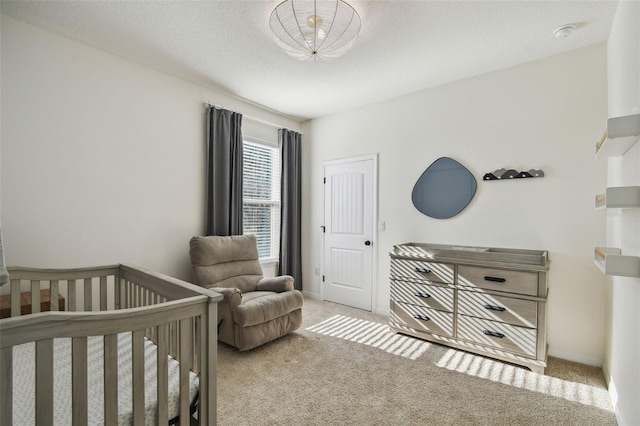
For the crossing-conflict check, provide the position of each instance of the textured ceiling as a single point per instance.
(404, 46)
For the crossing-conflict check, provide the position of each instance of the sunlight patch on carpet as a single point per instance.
(371, 334)
(507, 374)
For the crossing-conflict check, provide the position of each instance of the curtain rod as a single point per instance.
(258, 120)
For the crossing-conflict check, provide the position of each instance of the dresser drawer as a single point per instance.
(498, 308)
(422, 319)
(423, 271)
(518, 340)
(429, 296)
(499, 279)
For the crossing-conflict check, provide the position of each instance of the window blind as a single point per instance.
(261, 197)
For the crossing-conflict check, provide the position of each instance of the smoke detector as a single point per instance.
(564, 31)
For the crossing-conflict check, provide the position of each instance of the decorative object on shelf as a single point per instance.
(611, 262)
(620, 135)
(619, 197)
(444, 189)
(317, 30)
(504, 174)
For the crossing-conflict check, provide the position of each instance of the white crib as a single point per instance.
(117, 345)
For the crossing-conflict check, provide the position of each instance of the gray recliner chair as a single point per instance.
(255, 310)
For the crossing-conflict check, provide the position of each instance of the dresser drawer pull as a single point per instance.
(493, 334)
(421, 317)
(422, 294)
(495, 308)
(423, 270)
(495, 279)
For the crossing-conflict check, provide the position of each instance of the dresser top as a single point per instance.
(538, 259)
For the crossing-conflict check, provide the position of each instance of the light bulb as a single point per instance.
(314, 21)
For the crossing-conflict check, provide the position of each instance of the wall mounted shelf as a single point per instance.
(504, 174)
(612, 262)
(620, 135)
(621, 197)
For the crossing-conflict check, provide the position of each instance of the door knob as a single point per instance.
(367, 243)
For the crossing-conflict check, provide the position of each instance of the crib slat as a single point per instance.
(195, 330)
(15, 298)
(35, 296)
(163, 380)
(54, 293)
(202, 409)
(125, 294)
(210, 359)
(110, 379)
(79, 381)
(173, 341)
(154, 330)
(137, 349)
(88, 295)
(185, 358)
(44, 382)
(117, 283)
(71, 294)
(6, 386)
(103, 293)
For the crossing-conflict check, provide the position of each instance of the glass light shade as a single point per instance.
(315, 30)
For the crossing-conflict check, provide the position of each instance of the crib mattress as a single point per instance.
(24, 382)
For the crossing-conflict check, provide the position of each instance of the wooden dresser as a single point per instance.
(489, 301)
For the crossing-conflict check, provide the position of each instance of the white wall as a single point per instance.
(622, 355)
(103, 160)
(545, 114)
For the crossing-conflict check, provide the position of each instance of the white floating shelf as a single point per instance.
(619, 197)
(612, 262)
(621, 134)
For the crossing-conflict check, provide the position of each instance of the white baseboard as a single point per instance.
(570, 356)
(316, 296)
(383, 312)
(613, 394)
(310, 295)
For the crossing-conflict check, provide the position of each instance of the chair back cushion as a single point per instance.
(226, 261)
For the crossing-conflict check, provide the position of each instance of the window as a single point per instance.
(261, 197)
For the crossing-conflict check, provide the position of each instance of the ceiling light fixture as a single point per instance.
(315, 30)
(564, 31)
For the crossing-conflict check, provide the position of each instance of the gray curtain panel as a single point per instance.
(224, 172)
(291, 207)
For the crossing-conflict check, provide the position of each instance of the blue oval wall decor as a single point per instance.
(445, 188)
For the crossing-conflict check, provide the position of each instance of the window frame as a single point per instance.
(274, 258)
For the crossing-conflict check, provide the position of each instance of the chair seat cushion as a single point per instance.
(258, 307)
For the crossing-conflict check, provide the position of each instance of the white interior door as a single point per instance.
(349, 209)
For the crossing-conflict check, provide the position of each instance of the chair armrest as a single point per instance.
(276, 284)
(231, 296)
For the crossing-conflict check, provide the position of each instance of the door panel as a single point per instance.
(349, 232)
(347, 267)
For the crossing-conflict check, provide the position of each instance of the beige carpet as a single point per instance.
(344, 367)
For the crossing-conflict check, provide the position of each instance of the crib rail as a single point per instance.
(104, 301)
